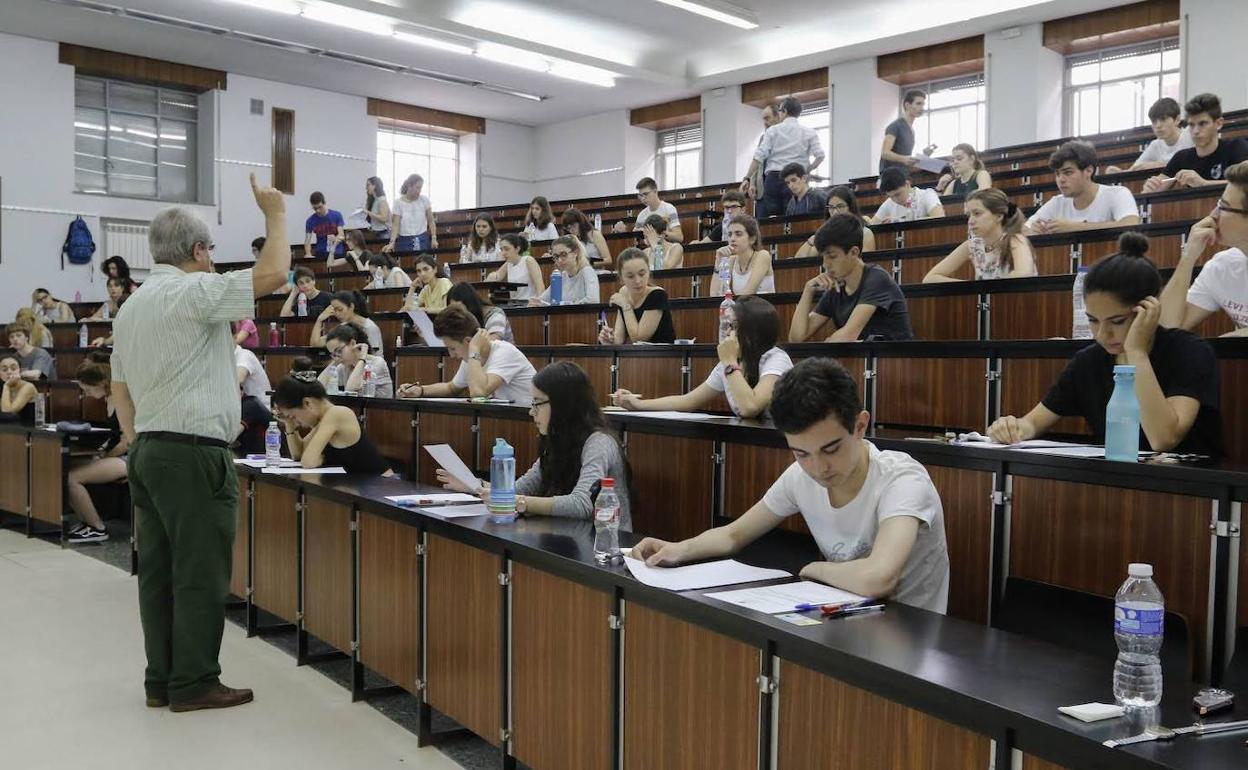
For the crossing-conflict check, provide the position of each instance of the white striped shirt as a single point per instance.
(174, 351)
(787, 142)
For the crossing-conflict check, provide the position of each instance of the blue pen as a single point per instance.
(806, 607)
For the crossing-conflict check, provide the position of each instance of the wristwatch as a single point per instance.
(522, 504)
(731, 369)
(474, 356)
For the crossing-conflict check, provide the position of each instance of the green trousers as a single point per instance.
(186, 505)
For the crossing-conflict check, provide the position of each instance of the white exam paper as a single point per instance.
(707, 575)
(682, 415)
(450, 462)
(424, 324)
(296, 470)
(934, 165)
(442, 499)
(786, 597)
(456, 511)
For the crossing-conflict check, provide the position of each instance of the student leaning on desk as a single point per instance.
(875, 515)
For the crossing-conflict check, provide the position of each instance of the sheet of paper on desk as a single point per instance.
(297, 470)
(443, 499)
(424, 324)
(250, 462)
(450, 462)
(724, 572)
(682, 415)
(785, 597)
(934, 165)
(456, 511)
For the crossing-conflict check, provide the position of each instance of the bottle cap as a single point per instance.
(1124, 369)
(1140, 570)
(608, 483)
(273, 424)
(502, 448)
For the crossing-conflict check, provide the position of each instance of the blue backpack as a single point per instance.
(79, 245)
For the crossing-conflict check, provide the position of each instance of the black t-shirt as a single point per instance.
(1212, 166)
(1184, 364)
(903, 141)
(255, 417)
(317, 304)
(657, 300)
(891, 319)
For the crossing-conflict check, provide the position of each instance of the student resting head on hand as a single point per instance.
(17, 396)
(320, 433)
(491, 368)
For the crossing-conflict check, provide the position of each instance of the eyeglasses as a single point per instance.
(836, 208)
(732, 207)
(537, 405)
(560, 254)
(1222, 207)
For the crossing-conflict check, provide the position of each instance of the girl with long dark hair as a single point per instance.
(349, 307)
(749, 366)
(489, 316)
(482, 245)
(539, 223)
(320, 433)
(576, 224)
(116, 267)
(377, 208)
(577, 451)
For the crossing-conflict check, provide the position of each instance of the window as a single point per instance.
(955, 113)
(1112, 89)
(134, 140)
(678, 161)
(817, 116)
(435, 157)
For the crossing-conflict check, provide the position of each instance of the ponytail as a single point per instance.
(1012, 219)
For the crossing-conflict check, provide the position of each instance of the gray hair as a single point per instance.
(173, 234)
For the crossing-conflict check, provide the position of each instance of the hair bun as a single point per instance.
(1133, 244)
(304, 375)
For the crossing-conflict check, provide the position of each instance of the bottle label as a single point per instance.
(1137, 622)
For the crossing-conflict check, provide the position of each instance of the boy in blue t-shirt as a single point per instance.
(325, 223)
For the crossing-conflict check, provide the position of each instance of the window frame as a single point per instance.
(397, 179)
(663, 148)
(974, 79)
(818, 106)
(1070, 92)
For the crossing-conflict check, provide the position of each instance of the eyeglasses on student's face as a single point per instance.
(837, 208)
(537, 405)
(1222, 207)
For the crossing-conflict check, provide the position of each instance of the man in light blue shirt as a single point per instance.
(786, 142)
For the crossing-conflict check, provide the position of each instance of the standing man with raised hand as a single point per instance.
(786, 142)
(176, 396)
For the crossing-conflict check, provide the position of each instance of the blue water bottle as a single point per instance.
(1122, 418)
(502, 503)
(556, 287)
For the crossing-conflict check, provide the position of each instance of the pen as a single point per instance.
(852, 610)
(808, 607)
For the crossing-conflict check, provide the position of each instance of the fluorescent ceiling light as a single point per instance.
(737, 17)
(430, 42)
(602, 171)
(287, 7)
(536, 62)
(349, 18)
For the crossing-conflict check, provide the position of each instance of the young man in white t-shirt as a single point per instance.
(1164, 115)
(1223, 281)
(1082, 204)
(491, 368)
(648, 193)
(251, 375)
(905, 202)
(875, 515)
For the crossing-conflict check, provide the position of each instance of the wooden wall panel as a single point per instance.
(932, 62)
(389, 599)
(414, 116)
(573, 329)
(672, 477)
(807, 86)
(864, 730)
(1030, 315)
(419, 369)
(283, 171)
(650, 376)
(953, 317)
(1035, 763)
(1233, 375)
(1135, 23)
(598, 369)
(240, 569)
(528, 329)
(965, 498)
(690, 696)
(673, 114)
(124, 66)
(328, 603)
(700, 324)
(1024, 381)
(435, 428)
(944, 393)
(275, 548)
(391, 429)
(561, 672)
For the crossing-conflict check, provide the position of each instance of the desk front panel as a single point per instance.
(941, 393)
(389, 588)
(14, 473)
(47, 478)
(328, 603)
(439, 428)
(672, 477)
(275, 550)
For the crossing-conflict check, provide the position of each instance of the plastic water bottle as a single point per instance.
(1080, 329)
(607, 523)
(107, 312)
(598, 222)
(302, 303)
(723, 227)
(41, 410)
(335, 371)
(275, 339)
(727, 314)
(369, 388)
(602, 321)
(83, 338)
(502, 503)
(1139, 622)
(398, 341)
(273, 445)
(656, 262)
(556, 287)
(1122, 418)
(77, 296)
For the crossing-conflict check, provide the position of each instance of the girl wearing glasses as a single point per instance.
(580, 280)
(749, 366)
(576, 451)
(348, 347)
(841, 200)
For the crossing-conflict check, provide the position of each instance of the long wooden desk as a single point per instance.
(33, 467)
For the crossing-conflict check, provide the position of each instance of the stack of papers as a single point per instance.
(1041, 446)
(706, 575)
(683, 415)
(786, 597)
(440, 499)
(254, 462)
(456, 511)
(293, 470)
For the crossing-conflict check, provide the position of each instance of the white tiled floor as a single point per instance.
(71, 694)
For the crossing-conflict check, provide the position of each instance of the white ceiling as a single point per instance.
(659, 52)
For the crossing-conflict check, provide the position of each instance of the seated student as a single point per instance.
(305, 284)
(644, 314)
(491, 368)
(577, 451)
(966, 173)
(1164, 115)
(749, 264)
(433, 287)
(324, 227)
(49, 309)
(482, 245)
(17, 396)
(576, 224)
(35, 363)
(861, 301)
(257, 245)
(518, 267)
(245, 334)
(489, 316)
(539, 222)
(875, 515)
(321, 434)
(116, 267)
(1176, 378)
(648, 192)
(749, 366)
(1081, 204)
(350, 362)
(1223, 281)
(356, 257)
(804, 199)
(253, 380)
(387, 274)
(905, 202)
(662, 254)
(107, 466)
(580, 279)
(117, 294)
(1206, 161)
(841, 200)
(349, 307)
(253, 421)
(40, 335)
(732, 203)
(997, 247)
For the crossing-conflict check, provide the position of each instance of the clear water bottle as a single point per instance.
(656, 261)
(723, 228)
(83, 338)
(598, 222)
(1080, 329)
(556, 287)
(106, 310)
(398, 341)
(379, 278)
(727, 315)
(1122, 418)
(275, 337)
(273, 445)
(302, 305)
(369, 388)
(502, 503)
(41, 410)
(607, 523)
(602, 321)
(331, 387)
(1139, 622)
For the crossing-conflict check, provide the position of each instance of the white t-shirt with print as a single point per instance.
(413, 215)
(507, 362)
(1111, 203)
(922, 200)
(257, 382)
(896, 485)
(1223, 283)
(1158, 151)
(774, 361)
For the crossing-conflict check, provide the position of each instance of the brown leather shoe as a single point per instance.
(154, 702)
(219, 697)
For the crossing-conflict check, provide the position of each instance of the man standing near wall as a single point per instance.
(756, 180)
(176, 395)
(786, 142)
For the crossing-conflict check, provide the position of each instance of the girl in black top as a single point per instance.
(1176, 373)
(17, 396)
(644, 313)
(320, 433)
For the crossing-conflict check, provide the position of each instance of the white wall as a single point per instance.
(862, 105)
(1215, 57)
(505, 153)
(1024, 86)
(730, 132)
(568, 149)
